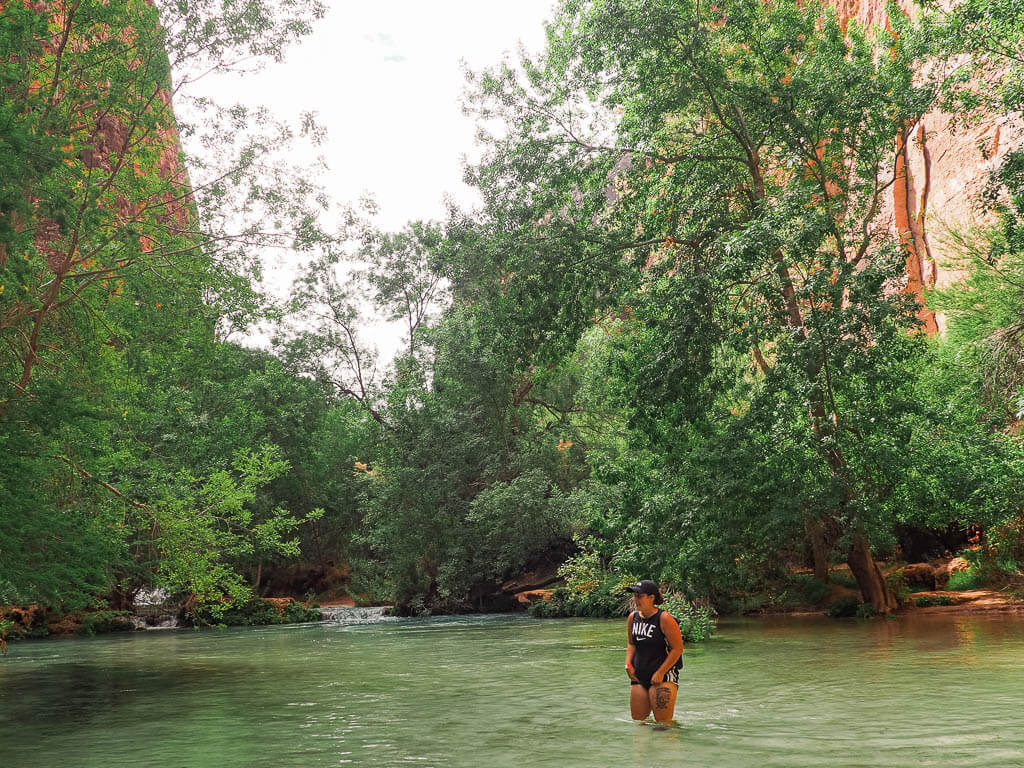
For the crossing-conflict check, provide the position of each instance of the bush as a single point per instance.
(696, 623)
(589, 590)
(23, 623)
(252, 613)
(102, 622)
(898, 584)
(969, 579)
(591, 593)
(843, 579)
(865, 611)
(297, 613)
(608, 599)
(804, 589)
(844, 608)
(923, 602)
(553, 608)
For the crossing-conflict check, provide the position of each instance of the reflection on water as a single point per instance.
(516, 692)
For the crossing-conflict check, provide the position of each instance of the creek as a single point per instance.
(504, 691)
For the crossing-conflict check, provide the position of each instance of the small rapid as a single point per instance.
(344, 614)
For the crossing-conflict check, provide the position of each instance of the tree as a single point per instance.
(719, 171)
(115, 263)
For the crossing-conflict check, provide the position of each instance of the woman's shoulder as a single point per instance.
(664, 616)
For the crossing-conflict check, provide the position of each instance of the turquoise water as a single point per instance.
(513, 691)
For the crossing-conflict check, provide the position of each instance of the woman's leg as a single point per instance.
(662, 701)
(639, 702)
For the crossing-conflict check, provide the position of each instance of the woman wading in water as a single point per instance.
(653, 655)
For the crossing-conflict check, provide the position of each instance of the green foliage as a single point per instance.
(972, 578)
(590, 590)
(297, 613)
(696, 622)
(898, 584)
(670, 334)
(118, 426)
(101, 622)
(843, 608)
(593, 591)
(925, 601)
(843, 579)
(607, 600)
(661, 141)
(991, 75)
(806, 590)
(207, 526)
(252, 611)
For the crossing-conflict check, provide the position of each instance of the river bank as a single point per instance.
(838, 599)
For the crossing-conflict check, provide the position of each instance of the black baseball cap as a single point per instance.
(646, 587)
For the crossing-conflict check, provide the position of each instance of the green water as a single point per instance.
(512, 691)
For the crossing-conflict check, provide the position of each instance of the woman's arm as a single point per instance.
(630, 648)
(674, 638)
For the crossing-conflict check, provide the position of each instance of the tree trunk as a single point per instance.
(820, 549)
(873, 587)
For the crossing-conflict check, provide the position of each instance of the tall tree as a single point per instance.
(720, 169)
(114, 263)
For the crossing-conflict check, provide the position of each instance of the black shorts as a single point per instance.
(672, 676)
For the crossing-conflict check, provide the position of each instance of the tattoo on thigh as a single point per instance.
(662, 697)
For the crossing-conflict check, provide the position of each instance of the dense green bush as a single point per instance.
(102, 622)
(923, 602)
(590, 590)
(696, 623)
(972, 578)
(297, 613)
(844, 608)
(254, 612)
(804, 589)
(608, 600)
(897, 582)
(594, 592)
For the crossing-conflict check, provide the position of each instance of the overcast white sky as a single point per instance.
(385, 80)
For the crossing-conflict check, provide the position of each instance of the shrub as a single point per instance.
(252, 613)
(696, 623)
(972, 578)
(608, 599)
(549, 609)
(865, 611)
(297, 613)
(804, 589)
(102, 622)
(844, 608)
(923, 602)
(589, 590)
(22, 623)
(843, 579)
(898, 584)
(588, 594)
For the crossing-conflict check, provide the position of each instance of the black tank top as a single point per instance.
(651, 645)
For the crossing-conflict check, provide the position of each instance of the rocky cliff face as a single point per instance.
(102, 191)
(104, 122)
(939, 178)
